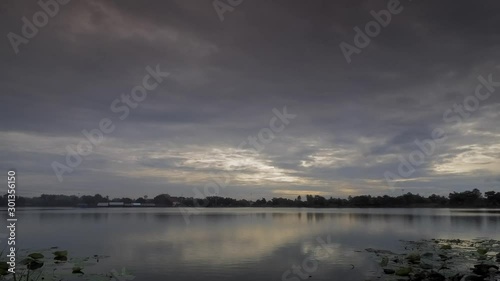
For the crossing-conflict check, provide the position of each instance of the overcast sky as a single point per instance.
(352, 122)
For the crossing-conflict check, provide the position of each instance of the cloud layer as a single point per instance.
(353, 121)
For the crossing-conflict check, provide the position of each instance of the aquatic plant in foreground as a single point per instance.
(51, 265)
(441, 260)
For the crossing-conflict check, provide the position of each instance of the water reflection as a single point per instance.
(244, 244)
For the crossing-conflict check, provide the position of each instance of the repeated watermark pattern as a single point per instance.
(123, 275)
(30, 28)
(122, 106)
(454, 115)
(256, 143)
(223, 6)
(309, 264)
(362, 37)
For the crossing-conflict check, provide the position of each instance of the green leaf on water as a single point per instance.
(482, 251)
(60, 258)
(4, 265)
(446, 247)
(35, 256)
(61, 253)
(4, 268)
(413, 258)
(35, 264)
(404, 271)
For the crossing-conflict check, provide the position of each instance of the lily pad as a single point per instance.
(404, 271)
(61, 253)
(31, 263)
(413, 258)
(4, 265)
(35, 264)
(4, 268)
(61, 258)
(389, 271)
(482, 251)
(36, 256)
(446, 247)
(445, 260)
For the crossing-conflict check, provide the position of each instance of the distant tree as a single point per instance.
(361, 201)
(163, 200)
(98, 198)
(472, 198)
(310, 200)
(437, 200)
(493, 198)
(89, 200)
(467, 198)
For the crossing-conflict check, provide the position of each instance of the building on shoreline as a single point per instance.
(122, 204)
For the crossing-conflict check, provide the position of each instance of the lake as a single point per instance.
(244, 243)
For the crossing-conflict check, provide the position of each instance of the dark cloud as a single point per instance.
(353, 120)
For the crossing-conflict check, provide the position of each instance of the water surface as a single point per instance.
(244, 243)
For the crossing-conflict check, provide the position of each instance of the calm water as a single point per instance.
(243, 244)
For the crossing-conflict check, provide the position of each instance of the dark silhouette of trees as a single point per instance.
(472, 198)
(126, 200)
(466, 199)
(493, 198)
(163, 200)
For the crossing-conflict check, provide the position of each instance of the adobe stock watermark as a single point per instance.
(309, 265)
(124, 275)
(454, 115)
(223, 6)
(30, 28)
(122, 106)
(257, 142)
(372, 29)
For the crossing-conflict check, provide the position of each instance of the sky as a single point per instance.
(250, 99)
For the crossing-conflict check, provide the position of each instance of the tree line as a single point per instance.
(464, 199)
